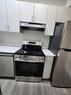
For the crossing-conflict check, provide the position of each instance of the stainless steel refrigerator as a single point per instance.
(61, 70)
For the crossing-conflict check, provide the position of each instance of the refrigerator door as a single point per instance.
(62, 71)
(55, 41)
(66, 37)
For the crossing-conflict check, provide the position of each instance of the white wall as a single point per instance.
(9, 38)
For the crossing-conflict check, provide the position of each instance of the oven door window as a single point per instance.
(29, 68)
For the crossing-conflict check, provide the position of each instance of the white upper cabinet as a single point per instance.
(40, 13)
(32, 12)
(26, 11)
(14, 11)
(51, 19)
(3, 15)
(12, 16)
(63, 14)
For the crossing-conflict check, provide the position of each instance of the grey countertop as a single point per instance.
(8, 49)
(13, 49)
(48, 52)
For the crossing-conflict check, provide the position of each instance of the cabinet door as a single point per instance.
(47, 67)
(51, 19)
(6, 66)
(3, 15)
(13, 15)
(63, 14)
(40, 13)
(26, 11)
(69, 12)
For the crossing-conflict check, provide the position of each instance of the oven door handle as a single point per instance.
(29, 61)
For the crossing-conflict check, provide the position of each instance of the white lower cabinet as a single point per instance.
(6, 65)
(47, 67)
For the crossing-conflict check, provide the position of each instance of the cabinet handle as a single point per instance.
(33, 18)
(7, 55)
(8, 27)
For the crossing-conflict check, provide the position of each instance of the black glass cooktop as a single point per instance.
(33, 53)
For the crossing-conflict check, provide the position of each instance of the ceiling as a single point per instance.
(51, 2)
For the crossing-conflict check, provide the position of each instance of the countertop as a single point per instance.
(13, 49)
(8, 49)
(47, 52)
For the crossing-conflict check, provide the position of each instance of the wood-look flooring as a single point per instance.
(11, 87)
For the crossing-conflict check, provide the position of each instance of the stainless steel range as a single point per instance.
(29, 62)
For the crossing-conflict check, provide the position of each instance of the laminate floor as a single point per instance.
(11, 87)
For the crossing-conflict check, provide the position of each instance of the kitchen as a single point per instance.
(12, 13)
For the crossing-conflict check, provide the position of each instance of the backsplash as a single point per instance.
(10, 38)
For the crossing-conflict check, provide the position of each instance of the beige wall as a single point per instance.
(9, 38)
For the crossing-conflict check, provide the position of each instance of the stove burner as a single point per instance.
(34, 53)
(28, 49)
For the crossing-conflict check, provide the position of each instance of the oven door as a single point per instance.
(28, 69)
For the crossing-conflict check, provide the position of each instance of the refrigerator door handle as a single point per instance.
(58, 54)
(67, 50)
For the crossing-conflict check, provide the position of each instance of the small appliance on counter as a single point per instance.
(29, 62)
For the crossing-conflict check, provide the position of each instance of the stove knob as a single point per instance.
(41, 60)
(25, 52)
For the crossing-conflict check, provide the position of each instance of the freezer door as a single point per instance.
(66, 37)
(62, 71)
